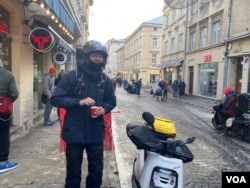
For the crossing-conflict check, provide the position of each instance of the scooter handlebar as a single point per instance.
(178, 149)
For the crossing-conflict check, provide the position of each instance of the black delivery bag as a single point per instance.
(143, 137)
(243, 103)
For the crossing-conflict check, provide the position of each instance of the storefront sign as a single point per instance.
(41, 39)
(60, 57)
(4, 28)
(207, 58)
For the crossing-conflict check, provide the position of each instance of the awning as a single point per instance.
(58, 39)
(61, 42)
(172, 63)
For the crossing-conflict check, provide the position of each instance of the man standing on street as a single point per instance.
(7, 86)
(138, 85)
(48, 89)
(77, 92)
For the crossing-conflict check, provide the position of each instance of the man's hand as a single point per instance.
(87, 102)
(100, 111)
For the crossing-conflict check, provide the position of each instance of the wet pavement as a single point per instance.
(124, 150)
(41, 165)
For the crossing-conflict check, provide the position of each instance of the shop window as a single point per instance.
(4, 39)
(208, 77)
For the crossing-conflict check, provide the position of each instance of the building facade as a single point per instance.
(216, 46)
(173, 43)
(141, 53)
(35, 35)
(206, 34)
(112, 65)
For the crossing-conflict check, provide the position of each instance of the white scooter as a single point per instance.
(160, 162)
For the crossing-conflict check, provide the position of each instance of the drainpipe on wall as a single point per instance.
(185, 42)
(226, 45)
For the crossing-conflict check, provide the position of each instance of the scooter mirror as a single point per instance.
(149, 118)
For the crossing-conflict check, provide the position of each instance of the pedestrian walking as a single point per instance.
(114, 82)
(165, 89)
(80, 89)
(138, 85)
(161, 85)
(59, 77)
(156, 88)
(125, 84)
(175, 87)
(182, 87)
(8, 89)
(48, 89)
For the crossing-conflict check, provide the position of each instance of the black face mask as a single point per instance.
(96, 67)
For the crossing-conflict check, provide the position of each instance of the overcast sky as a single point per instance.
(119, 18)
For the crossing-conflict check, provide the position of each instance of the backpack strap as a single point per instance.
(103, 81)
(80, 81)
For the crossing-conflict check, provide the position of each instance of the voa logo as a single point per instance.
(236, 179)
(241, 179)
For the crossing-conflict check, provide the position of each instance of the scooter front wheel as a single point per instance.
(216, 126)
(246, 137)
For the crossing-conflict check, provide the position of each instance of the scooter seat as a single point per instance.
(144, 137)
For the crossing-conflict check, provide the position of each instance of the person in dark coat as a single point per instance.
(48, 89)
(175, 87)
(57, 80)
(77, 92)
(7, 87)
(114, 82)
(165, 89)
(59, 77)
(161, 85)
(226, 108)
(182, 87)
(138, 85)
(125, 84)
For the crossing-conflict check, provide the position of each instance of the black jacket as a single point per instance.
(230, 102)
(78, 126)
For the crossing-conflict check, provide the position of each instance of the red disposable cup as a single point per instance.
(93, 111)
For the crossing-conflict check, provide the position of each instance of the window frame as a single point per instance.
(153, 58)
(203, 37)
(154, 42)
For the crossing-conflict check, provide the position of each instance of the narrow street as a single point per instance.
(41, 165)
(214, 153)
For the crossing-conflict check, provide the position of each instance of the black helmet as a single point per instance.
(93, 46)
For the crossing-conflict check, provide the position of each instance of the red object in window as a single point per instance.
(4, 28)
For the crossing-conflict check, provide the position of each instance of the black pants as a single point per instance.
(4, 137)
(138, 91)
(74, 157)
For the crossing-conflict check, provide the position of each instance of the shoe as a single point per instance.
(51, 121)
(8, 166)
(48, 123)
